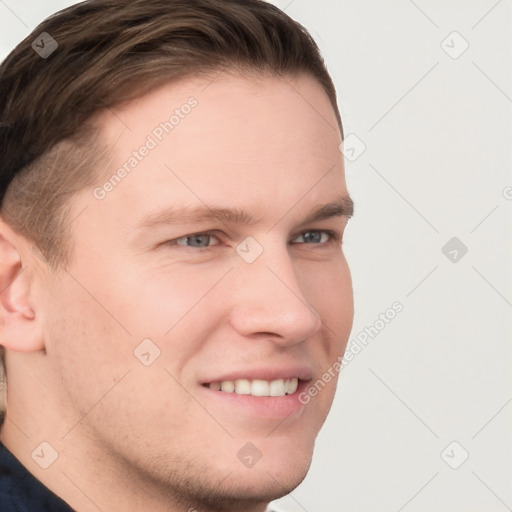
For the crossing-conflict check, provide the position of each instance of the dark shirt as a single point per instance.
(20, 491)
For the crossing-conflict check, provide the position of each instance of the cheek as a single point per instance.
(83, 330)
(84, 354)
(328, 289)
(168, 298)
(92, 356)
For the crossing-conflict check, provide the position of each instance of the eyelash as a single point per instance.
(334, 237)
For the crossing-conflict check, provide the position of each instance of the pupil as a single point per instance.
(312, 236)
(200, 240)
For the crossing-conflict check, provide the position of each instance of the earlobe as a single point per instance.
(19, 325)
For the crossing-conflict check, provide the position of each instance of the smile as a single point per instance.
(257, 387)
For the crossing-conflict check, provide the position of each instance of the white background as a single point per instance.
(438, 133)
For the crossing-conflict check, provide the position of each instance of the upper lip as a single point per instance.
(285, 372)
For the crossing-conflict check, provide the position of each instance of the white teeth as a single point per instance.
(276, 388)
(257, 387)
(243, 387)
(293, 385)
(228, 386)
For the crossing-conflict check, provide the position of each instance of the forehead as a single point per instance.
(229, 109)
(225, 136)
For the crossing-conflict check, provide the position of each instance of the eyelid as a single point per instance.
(335, 236)
(213, 234)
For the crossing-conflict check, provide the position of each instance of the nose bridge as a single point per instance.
(269, 298)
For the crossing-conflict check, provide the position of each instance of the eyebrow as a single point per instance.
(341, 207)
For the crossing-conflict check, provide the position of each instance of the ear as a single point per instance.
(20, 328)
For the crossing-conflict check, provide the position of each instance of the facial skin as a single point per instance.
(134, 437)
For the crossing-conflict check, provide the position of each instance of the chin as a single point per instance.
(282, 467)
(254, 486)
(227, 484)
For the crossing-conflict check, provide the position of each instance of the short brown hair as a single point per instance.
(110, 52)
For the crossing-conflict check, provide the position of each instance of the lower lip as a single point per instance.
(268, 407)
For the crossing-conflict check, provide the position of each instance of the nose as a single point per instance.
(268, 302)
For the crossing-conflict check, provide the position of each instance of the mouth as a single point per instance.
(260, 399)
(260, 394)
(257, 387)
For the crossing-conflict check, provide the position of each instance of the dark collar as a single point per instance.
(20, 491)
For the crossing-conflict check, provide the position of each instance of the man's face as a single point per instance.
(256, 292)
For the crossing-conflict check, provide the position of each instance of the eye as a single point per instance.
(315, 237)
(198, 240)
